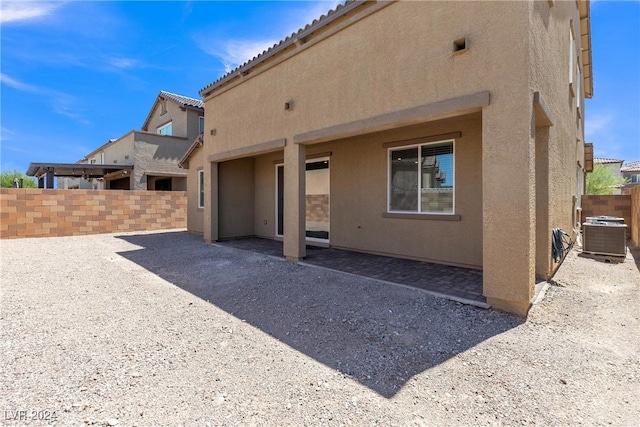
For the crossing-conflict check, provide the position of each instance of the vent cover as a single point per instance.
(604, 238)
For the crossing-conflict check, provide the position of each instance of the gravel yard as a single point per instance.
(162, 329)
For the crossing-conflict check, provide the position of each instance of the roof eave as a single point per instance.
(585, 36)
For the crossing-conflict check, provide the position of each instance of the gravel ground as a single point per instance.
(161, 329)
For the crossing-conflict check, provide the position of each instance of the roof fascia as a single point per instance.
(584, 8)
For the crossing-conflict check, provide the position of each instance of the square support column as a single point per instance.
(509, 205)
(211, 202)
(294, 202)
(49, 183)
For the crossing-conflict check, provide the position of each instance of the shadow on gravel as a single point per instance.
(377, 334)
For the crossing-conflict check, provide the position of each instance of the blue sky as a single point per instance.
(75, 74)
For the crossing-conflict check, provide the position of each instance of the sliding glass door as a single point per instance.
(317, 200)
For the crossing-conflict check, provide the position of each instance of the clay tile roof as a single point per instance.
(185, 101)
(631, 167)
(330, 16)
(603, 160)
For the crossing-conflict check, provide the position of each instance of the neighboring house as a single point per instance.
(148, 157)
(616, 166)
(631, 172)
(437, 131)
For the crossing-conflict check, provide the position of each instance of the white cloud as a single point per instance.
(11, 82)
(124, 63)
(62, 103)
(233, 52)
(5, 134)
(595, 124)
(14, 11)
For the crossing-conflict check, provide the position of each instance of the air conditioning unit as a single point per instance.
(605, 218)
(604, 238)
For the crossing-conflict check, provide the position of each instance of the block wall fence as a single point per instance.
(634, 192)
(626, 206)
(26, 212)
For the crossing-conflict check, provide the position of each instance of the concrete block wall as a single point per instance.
(43, 213)
(612, 205)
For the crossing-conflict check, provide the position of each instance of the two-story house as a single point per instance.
(145, 159)
(450, 132)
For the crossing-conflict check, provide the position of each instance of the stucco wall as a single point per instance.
(174, 114)
(156, 153)
(195, 215)
(46, 213)
(236, 198)
(383, 72)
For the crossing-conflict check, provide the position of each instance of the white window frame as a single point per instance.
(201, 189)
(164, 126)
(419, 211)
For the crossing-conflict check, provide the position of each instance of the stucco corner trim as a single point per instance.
(420, 114)
(252, 150)
(544, 117)
(432, 217)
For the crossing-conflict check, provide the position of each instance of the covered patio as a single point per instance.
(45, 172)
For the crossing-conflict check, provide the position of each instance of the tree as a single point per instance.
(6, 179)
(602, 180)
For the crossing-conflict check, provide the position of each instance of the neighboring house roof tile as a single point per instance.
(182, 100)
(631, 167)
(603, 160)
(330, 16)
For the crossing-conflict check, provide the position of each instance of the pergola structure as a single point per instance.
(45, 172)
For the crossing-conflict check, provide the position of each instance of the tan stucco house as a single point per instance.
(450, 132)
(631, 172)
(145, 159)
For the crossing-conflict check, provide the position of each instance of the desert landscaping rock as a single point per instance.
(162, 329)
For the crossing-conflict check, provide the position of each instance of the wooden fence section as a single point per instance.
(28, 212)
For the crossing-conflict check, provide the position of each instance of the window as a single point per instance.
(102, 158)
(201, 188)
(166, 129)
(201, 124)
(421, 178)
(92, 161)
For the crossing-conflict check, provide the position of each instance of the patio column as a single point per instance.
(211, 202)
(509, 205)
(49, 180)
(294, 202)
